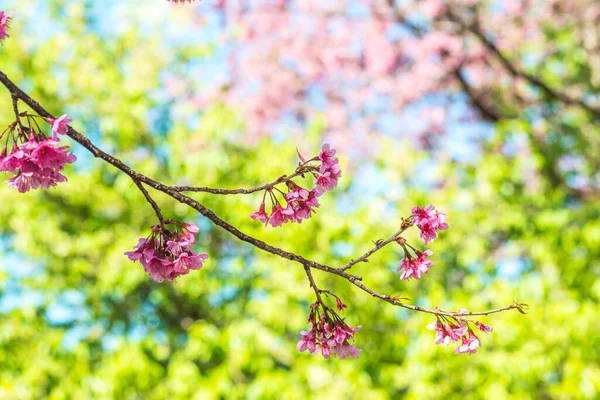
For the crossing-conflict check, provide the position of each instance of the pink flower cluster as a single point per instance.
(35, 160)
(415, 267)
(35, 163)
(4, 24)
(167, 254)
(451, 332)
(429, 221)
(329, 335)
(329, 172)
(300, 202)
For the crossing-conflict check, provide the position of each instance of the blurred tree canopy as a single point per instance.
(81, 321)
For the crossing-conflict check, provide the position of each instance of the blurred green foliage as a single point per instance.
(229, 331)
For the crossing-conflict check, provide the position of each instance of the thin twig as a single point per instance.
(378, 246)
(16, 110)
(281, 179)
(311, 280)
(150, 200)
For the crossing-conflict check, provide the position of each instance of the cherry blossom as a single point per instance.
(415, 267)
(469, 345)
(167, 254)
(301, 202)
(4, 24)
(35, 163)
(339, 305)
(447, 332)
(482, 327)
(429, 221)
(260, 215)
(59, 125)
(329, 335)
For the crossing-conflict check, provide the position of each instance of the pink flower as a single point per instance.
(307, 342)
(277, 217)
(446, 333)
(346, 351)
(429, 221)
(8, 163)
(260, 215)
(24, 182)
(420, 215)
(325, 350)
(484, 328)
(35, 164)
(186, 262)
(158, 268)
(469, 345)
(340, 306)
(189, 228)
(4, 24)
(137, 252)
(47, 155)
(329, 334)
(439, 221)
(167, 259)
(300, 203)
(327, 155)
(328, 176)
(415, 267)
(177, 247)
(59, 125)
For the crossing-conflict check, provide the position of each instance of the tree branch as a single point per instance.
(171, 191)
(378, 246)
(515, 71)
(150, 200)
(281, 179)
(313, 285)
(488, 113)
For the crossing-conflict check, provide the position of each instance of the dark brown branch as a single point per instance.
(313, 285)
(150, 200)
(169, 190)
(515, 71)
(378, 246)
(16, 111)
(488, 113)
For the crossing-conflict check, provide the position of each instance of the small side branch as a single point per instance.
(311, 280)
(150, 200)
(378, 246)
(16, 111)
(281, 179)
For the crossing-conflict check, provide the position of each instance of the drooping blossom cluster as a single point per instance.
(452, 329)
(329, 334)
(429, 221)
(415, 266)
(4, 24)
(34, 159)
(166, 254)
(301, 202)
